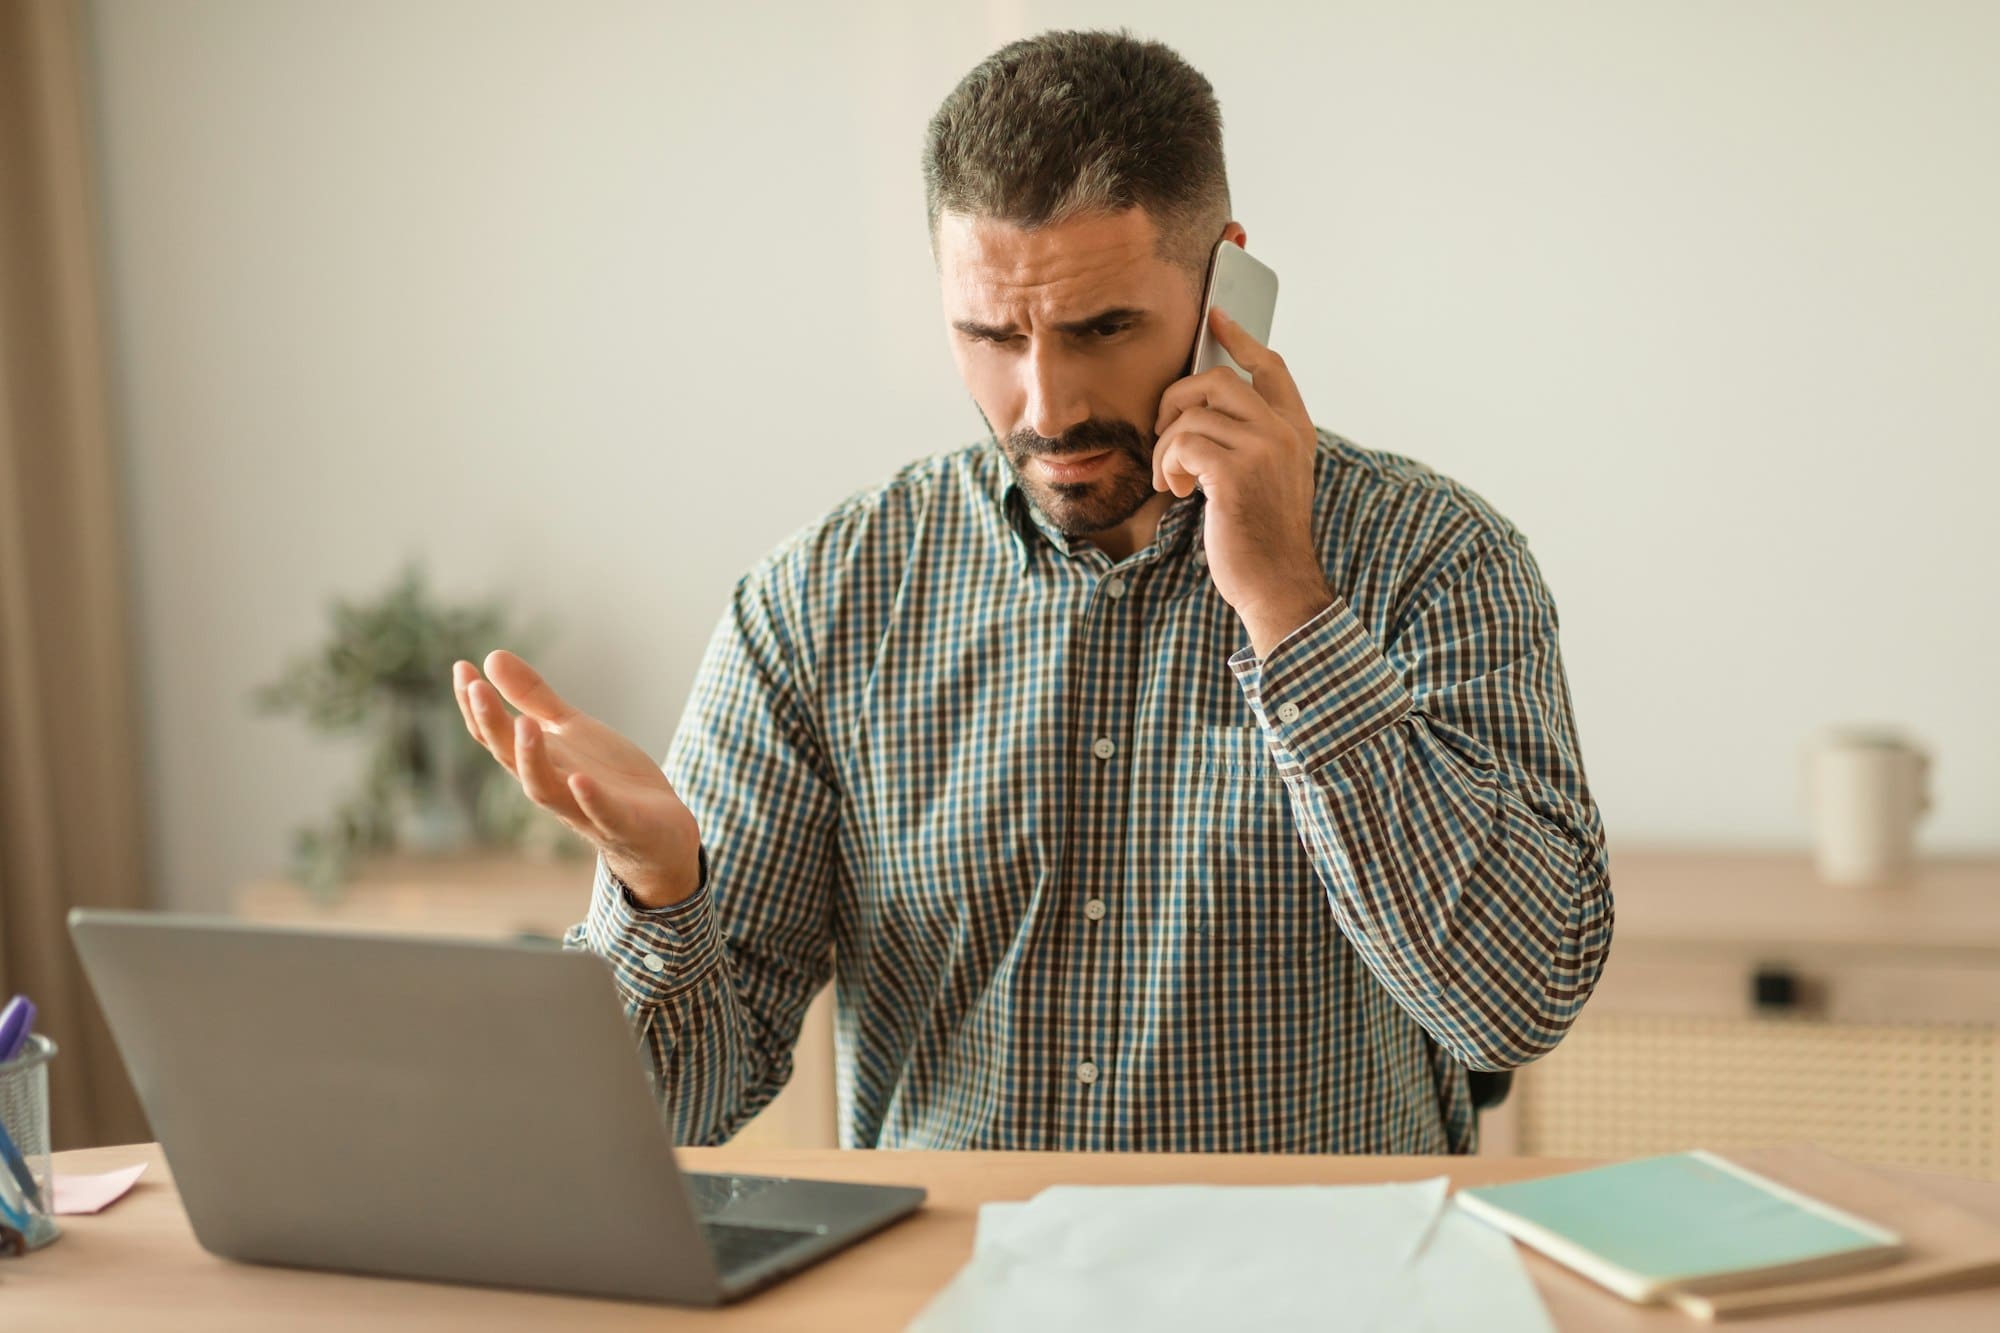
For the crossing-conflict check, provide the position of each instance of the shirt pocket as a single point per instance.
(1253, 884)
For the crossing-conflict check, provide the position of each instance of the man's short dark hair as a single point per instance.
(1068, 123)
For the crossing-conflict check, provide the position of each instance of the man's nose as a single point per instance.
(1056, 401)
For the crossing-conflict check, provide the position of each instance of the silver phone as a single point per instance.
(1247, 292)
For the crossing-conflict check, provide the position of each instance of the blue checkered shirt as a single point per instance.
(1087, 874)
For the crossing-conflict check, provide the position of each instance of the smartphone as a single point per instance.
(1247, 292)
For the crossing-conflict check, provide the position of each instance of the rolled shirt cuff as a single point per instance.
(654, 952)
(1325, 688)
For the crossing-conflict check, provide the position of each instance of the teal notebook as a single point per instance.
(1688, 1222)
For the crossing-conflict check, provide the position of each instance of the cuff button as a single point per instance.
(1288, 712)
(654, 963)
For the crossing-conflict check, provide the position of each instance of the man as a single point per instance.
(1160, 774)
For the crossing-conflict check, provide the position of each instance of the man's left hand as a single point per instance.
(1250, 448)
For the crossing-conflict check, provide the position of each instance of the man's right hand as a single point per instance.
(603, 786)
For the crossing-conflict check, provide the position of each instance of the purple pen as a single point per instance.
(15, 1024)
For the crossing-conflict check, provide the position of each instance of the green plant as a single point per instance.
(427, 784)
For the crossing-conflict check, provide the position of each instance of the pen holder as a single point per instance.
(24, 1113)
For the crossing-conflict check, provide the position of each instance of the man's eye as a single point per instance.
(1109, 329)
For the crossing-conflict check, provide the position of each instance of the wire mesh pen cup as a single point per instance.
(24, 1110)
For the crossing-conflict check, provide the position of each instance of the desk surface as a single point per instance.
(137, 1265)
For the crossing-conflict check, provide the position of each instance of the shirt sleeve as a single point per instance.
(1439, 791)
(717, 985)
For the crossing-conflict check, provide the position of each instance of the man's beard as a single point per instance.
(1103, 502)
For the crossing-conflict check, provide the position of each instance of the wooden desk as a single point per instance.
(137, 1265)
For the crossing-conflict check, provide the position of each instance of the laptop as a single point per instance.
(458, 1110)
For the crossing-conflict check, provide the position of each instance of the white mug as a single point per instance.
(1866, 788)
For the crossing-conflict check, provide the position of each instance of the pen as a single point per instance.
(19, 1167)
(16, 1022)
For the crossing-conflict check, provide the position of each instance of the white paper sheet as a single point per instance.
(1196, 1257)
(1470, 1275)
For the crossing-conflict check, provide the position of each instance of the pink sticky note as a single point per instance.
(92, 1194)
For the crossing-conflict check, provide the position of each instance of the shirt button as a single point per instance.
(654, 963)
(1086, 1072)
(1201, 559)
(1114, 587)
(1094, 909)
(1288, 712)
(1104, 748)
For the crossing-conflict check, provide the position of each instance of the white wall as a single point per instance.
(594, 302)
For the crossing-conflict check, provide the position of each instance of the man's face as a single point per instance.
(1066, 337)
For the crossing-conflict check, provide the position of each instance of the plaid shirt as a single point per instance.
(1087, 874)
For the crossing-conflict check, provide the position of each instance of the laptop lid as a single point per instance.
(464, 1110)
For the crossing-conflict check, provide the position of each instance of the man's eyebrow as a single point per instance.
(1121, 314)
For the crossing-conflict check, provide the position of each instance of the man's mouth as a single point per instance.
(1072, 468)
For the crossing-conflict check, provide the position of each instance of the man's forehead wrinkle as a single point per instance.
(1070, 287)
(1006, 260)
(1010, 261)
(1014, 271)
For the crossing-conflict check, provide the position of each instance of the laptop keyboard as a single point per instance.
(738, 1247)
(712, 1193)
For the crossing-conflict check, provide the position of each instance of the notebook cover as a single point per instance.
(1947, 1246)
(1693, 1222)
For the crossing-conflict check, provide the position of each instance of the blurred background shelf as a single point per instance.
(1746, 1002)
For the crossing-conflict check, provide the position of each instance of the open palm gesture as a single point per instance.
(590, 777)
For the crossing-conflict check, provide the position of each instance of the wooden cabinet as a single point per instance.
(511, 897)
(1745, 1002)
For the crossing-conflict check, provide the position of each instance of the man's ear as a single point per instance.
(1234, 232)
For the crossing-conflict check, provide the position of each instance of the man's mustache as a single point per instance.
(1087, 437)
